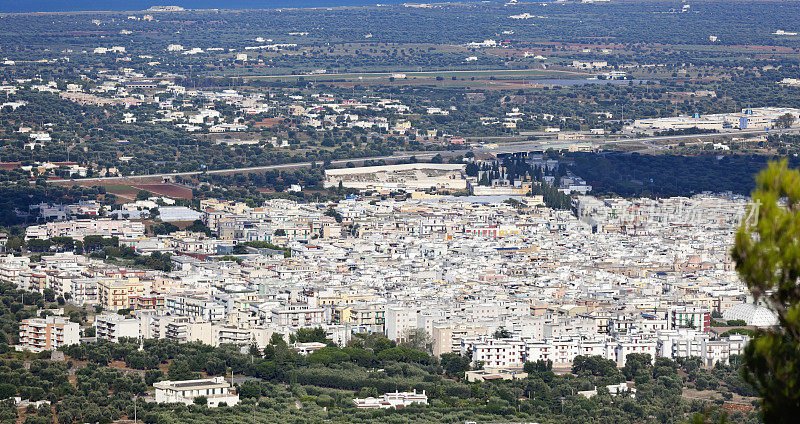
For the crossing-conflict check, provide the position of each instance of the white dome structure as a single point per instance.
(757, 316)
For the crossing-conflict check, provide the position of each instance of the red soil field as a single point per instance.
(166, 189)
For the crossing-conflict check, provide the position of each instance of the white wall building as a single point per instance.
(216, 391)
(112, 327)
(392, 400)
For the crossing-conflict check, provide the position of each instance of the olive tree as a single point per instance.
(767, 255)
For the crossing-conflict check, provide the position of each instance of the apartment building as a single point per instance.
(113, 327)
(364, 318)
(194, 306)
(40, 334)
(619, 350)
(297, 315)
(84, 291)
(147, 302)
(186, 329)
(399, 320)
(229, 334)
(115, 294)
(691, 343)
(80, 228)
(690, 317)
(499, 353)
(447, 336)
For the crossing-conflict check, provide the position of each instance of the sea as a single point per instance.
(27, 6)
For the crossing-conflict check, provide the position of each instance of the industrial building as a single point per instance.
(411, 176)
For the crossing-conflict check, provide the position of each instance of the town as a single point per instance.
(503, 284)
(494, 212)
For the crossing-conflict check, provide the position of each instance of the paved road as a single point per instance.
(521, 146)
(401, 156)
(511, 147)
(532, 73)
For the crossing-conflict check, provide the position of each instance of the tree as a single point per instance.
(253, 350)
(215, 366)
(538, 366)
(164, 228)
(502, 333)
(471, 169)
(417, 339)
(785, 121)
(307, 335)
(180, 370)
(14, 243)
(250, 389)
(635, 364)
(49, 295)
(199, 227)
(201, 400)
(454, 364)
(277, 340)
(151, 376)
(767, 256)
(37, 245)
(334, 214)
(594, 365)
(7, 390)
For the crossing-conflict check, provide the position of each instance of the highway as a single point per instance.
(542, 74)
(502, 148)
(522, 146)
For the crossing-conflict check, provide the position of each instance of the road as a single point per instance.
(503, 148)
(402, 156)
(522, 146)
(532, 73)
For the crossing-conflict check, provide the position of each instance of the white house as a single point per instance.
(216, 390)
(393, 400)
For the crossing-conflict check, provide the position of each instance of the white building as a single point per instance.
(178, 213)
(500, 353)
(393, 400)
(216, 391)
(614, 389)
(112, 327)
(398, 320)
(589, 65)
(298, 315)
(80, 228)
(404, 176)
(755, 315)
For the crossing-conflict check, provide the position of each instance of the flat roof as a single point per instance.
(191, 384)
(197, 384)
(400, 167)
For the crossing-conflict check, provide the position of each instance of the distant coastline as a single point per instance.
(52, 6)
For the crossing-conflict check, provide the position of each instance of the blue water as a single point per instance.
(131, 5)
